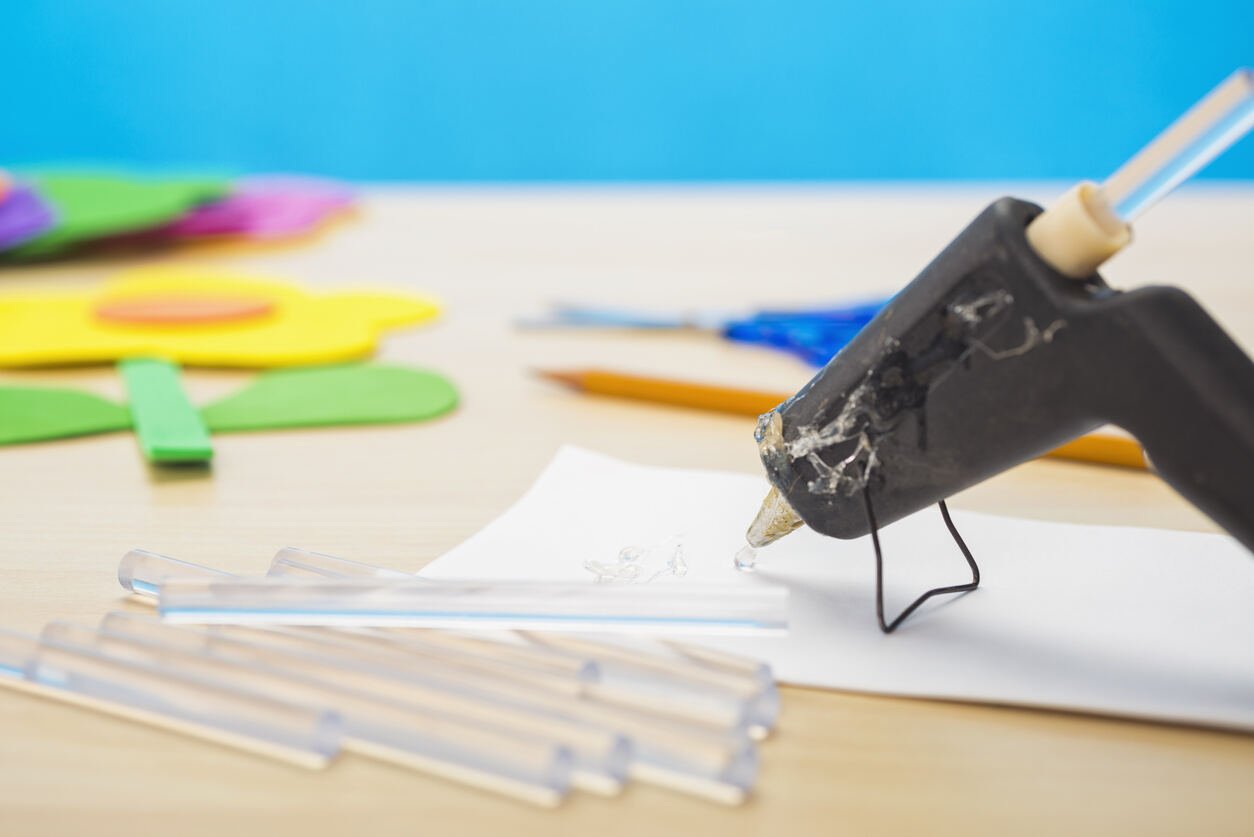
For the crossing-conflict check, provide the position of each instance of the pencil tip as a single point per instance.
(570, 379)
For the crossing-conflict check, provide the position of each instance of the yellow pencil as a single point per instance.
(1101, 448)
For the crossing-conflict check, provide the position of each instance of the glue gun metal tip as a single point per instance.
(775, 519)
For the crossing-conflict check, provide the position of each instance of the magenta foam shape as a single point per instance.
(266, 207)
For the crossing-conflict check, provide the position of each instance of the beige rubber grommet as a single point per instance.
(1079, 232)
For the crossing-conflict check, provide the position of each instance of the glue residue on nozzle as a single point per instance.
(775, 519)
(747, 559)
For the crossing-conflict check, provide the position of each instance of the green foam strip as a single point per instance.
(170, 428)
(329, 395)
(36, 414)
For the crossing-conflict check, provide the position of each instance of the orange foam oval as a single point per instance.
(182, 310)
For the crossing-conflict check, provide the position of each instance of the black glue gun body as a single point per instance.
(990, 358)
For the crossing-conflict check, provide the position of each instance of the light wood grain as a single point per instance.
(398, 496)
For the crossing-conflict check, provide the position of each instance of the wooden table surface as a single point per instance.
(398, 496)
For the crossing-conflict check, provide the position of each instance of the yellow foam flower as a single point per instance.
(202, 317)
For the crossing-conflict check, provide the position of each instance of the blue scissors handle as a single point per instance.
(815, 336)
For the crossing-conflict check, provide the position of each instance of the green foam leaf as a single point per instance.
(95, 204)
(36, 414)
(329, 395)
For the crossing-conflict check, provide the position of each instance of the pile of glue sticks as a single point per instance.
(529, 714)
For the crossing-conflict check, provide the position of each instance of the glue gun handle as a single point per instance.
(1196, 416)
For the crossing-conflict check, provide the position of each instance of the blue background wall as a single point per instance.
(613, 89)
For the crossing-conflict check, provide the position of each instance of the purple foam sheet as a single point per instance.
(24, 214)
(266, 207)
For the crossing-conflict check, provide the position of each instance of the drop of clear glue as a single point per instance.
(630, 554)
(747, 559)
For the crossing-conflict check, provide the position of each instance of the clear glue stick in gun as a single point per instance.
(1010, 344)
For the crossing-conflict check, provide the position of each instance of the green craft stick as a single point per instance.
(320, 396)
(36, 414)
(169, 427)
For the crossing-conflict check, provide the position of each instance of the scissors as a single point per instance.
(813, 335)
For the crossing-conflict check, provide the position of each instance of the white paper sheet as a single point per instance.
(1124, 621)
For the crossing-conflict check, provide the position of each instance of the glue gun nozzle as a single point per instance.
(775, 519)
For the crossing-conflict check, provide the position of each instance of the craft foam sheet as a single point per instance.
(333, 395)
(1138, 622)
(319, 396)
(24, 214)
(266, 207)
(36, 414)
(295, 328)
(93, 205)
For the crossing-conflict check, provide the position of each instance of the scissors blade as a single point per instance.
(592, 317)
